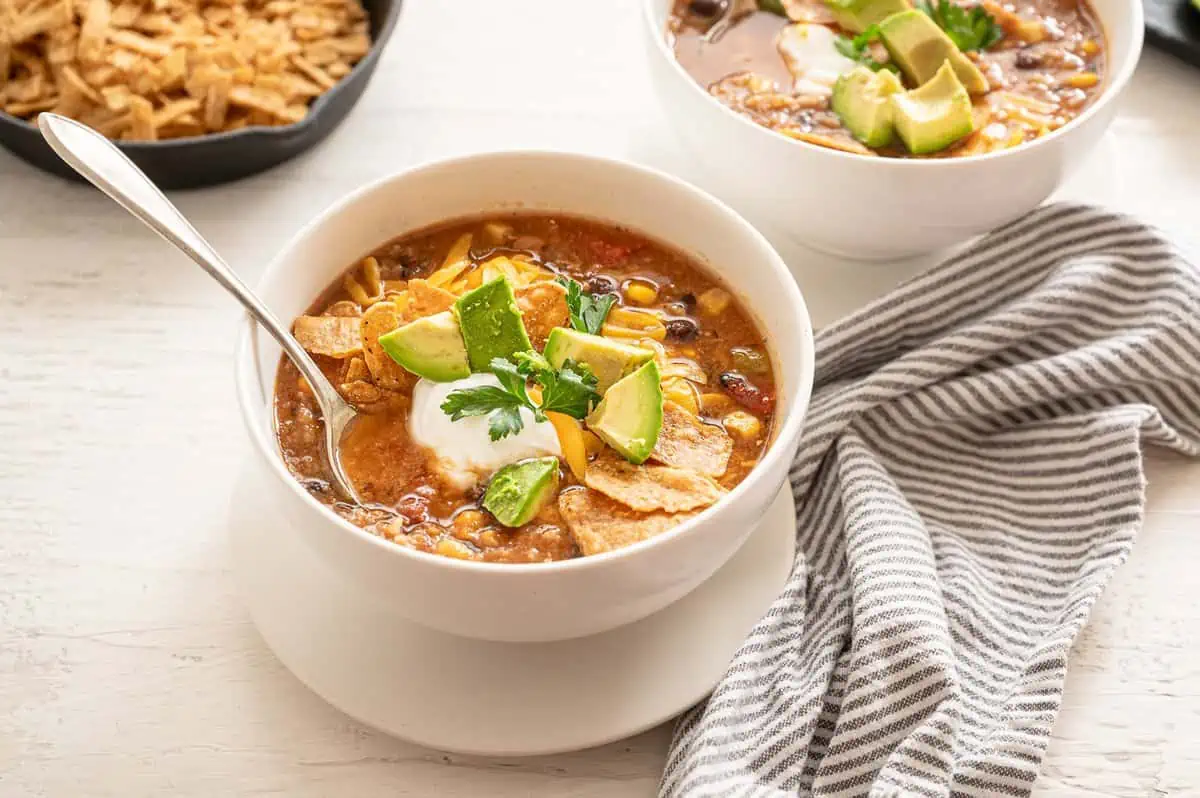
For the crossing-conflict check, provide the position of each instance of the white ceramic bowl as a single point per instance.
(876, 208)
(546, 601)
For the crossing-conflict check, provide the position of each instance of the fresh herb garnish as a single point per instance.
(773, 7)
(588, 311)
(969, 29)
(502, 408)
(857, 49)
(570, 390)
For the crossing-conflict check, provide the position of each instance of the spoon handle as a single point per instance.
(107, 168)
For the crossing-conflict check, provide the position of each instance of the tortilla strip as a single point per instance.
(687, 442)
(332, 336)
(599, 524)
(543, 307)
(426, 300)
(647, 488)
(381, 318)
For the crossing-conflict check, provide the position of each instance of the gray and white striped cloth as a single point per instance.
(970, 478)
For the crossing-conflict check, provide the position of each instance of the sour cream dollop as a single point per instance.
(812, 58)
(465, 452)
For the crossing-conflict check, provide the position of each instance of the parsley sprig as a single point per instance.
(858, 49)
(588, 311)
(969, 29)
(570, 390)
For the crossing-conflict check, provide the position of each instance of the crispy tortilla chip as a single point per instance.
(647, 488)
(360, 392)
(343, 308)
(332, 336)
(425, 300)
(380, 318)
(687, 442)
(599, 524)
(356, 370)
(543, 307)
(180, 65)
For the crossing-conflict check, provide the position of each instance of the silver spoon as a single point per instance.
(731, 12)
(95, 157)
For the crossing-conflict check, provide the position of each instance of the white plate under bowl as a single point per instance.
(498, 699)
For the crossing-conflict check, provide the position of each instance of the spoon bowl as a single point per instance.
(102, 164)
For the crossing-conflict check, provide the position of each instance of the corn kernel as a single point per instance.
(1089, 47)
(714, 301)
(449, 547)
(742, 424)
(489, 538)
(469, 521)
(497, 232)
(1083, 80)
(715, 403)
(640, 293)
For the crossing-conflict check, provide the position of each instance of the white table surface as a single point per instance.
(129, 668)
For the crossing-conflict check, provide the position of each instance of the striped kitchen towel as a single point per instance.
(970, 478)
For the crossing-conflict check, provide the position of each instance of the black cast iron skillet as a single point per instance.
(222, 157)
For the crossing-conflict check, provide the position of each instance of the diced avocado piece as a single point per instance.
(518, 491)
(609, 360)
(858, 15)
(934, 116)
(431, 347)
(861, 99)
(919, 47)
(630, 415)
(491, 324)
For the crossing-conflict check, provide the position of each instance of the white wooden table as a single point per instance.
(128, 666)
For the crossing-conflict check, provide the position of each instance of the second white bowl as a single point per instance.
(876, 208)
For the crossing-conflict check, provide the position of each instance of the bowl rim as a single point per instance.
(1114, 86)
(364, 64)
(793, 412)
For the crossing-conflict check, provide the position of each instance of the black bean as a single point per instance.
(682, 329)
(1028, 60)
(602, 284)
(707, 9)
(689, 301)
(746, 393)
(400, 265)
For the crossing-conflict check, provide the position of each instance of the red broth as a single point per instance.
(714, 358)
(1048, 67)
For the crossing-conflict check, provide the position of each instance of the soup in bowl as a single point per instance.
(878, 128)
(580, 383)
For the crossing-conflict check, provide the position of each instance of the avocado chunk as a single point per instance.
(491, 324)
(858, 15)
(609, 360)
(934, 116)
(518, 491)
(862, 100)
(431, 347)
(919, 47)
(630, 415)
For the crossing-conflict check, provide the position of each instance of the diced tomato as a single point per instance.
(606, 253)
